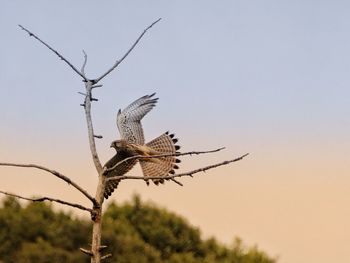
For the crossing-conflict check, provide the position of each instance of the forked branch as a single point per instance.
(54, 51)
(190, 173)
(55, 173)
(42, 199)
(116, 64)
(89, 85)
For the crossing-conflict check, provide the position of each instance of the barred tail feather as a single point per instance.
(164, 144)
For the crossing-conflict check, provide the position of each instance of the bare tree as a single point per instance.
(95, 252)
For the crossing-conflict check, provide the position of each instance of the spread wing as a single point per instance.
(118, 171)
(129, 120)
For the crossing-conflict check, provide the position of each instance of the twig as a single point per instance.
(116, 64)
(177, 175)
(84, 64)
(42, 199)
(177, 182)
(86, 251)
(55, 173)
(54, 51)
(103, 247)
(159, 156)
(106, 256)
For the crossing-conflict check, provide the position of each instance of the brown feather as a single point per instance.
(163, 144)
(118, 171)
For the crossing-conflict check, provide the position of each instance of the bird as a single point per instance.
(132, 143)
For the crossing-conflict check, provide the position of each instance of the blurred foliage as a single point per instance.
(134, 232)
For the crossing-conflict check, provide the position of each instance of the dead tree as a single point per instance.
(95, 252)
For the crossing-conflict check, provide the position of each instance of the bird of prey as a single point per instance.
(132, 143)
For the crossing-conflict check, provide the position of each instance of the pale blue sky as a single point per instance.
(266, 77)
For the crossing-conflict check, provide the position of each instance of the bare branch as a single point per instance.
(177, 182)
(106, 256)
(55, 173)
(102, 248)
(42, 199)
(203, 169)
(54, 51)
(116, 64)
(87, 103)
(87, 252)
(160, 156)
(84, 64)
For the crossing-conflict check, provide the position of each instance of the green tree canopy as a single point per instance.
(134, 232)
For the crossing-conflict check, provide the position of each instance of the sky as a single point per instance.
(269, 78)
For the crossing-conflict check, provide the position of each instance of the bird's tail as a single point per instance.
(164, 144)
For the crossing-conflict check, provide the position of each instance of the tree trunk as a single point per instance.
(97, 222)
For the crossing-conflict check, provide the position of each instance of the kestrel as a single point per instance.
(132, 143)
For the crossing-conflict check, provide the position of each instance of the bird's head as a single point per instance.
(117, 144)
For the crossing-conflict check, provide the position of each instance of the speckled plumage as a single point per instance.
(129, 120)
(163, 144)
(133, 143)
